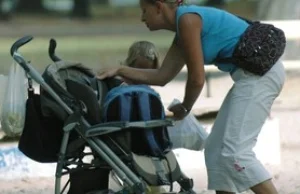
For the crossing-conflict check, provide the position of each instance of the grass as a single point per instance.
(91, 51)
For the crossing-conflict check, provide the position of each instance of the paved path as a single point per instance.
(286, 176)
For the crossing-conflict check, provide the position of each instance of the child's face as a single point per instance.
(143, 63)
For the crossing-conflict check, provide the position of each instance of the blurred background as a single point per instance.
(98, 34)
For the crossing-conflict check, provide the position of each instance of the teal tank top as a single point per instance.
(220, 33)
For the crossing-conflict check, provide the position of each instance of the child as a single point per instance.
(142, 54)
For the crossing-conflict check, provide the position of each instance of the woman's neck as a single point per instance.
(170, 19)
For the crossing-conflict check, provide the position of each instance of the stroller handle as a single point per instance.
(51, 51)
(20, 43)
(14, 51)
(34, 74)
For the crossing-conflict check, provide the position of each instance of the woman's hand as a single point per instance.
(179, 111)
(107, 72)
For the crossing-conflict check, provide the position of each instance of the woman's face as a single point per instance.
(152, 14)
(143, 63)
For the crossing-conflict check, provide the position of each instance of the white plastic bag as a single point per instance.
(187, 133)
(14, 102)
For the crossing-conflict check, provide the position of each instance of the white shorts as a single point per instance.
(231, 163)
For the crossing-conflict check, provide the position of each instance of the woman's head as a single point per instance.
(159, 14)
(142, 54)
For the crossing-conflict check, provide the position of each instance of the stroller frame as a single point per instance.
(87, 132)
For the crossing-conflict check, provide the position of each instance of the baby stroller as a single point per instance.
(75, 112)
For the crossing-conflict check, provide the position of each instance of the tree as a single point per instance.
(31, 6)
(104, 2)
(4, 13)
(81, 9)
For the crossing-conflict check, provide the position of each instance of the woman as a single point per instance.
(202, 35)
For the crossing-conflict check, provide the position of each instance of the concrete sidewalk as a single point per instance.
(14, 166)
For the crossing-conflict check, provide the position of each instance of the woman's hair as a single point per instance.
(178, 2)
(142, 49)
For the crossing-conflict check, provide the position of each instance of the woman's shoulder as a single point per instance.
(196, 8)
(205, 12)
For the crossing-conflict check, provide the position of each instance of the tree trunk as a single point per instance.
(104, 2)
(5, 13)
(81, 9)
(31, 6)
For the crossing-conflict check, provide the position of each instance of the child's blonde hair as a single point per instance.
(142, 49)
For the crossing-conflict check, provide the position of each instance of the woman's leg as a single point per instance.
(230, 160)
(266, 187)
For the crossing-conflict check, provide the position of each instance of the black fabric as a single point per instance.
(45, 118)
(84, 181)
(42, 136)
(56, 75)
(90, 106)
(258, 49)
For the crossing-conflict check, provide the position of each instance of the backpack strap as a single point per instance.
(125, 106)
(161, 171)
(145, 113)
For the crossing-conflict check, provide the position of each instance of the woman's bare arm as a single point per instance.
(190, 26)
